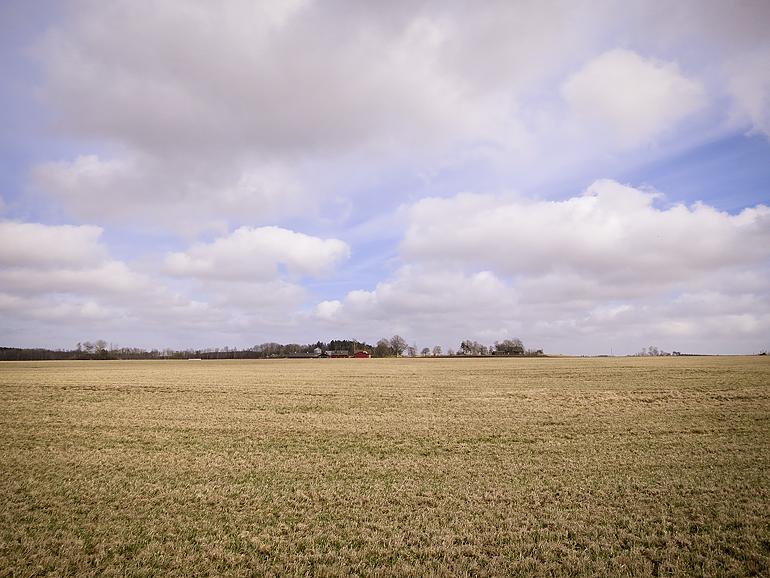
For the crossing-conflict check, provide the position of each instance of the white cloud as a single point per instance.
(185, 195)
(326, 309)
(42, 246)
(55, 312)
(220, 115)
(636, 98)
(279, 296)
(213, 110)
(199, 76)
(113, 277)
(613, 235)
(194, 117)
(749, 86)
(425, 301)
(608, 267)
(37, 259)
(64, 275)
(255, 254)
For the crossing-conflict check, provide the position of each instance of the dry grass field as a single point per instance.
(393, 467)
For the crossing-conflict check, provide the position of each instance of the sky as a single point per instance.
(591, 177)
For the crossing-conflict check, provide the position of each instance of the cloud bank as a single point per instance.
(202, 172)
(608, 265)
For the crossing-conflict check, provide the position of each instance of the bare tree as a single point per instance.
(425, 351)
(653, 351)
(382, 349)
(469, 347)
(437, 350)
(398, 344)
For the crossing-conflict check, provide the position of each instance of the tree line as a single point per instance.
(396, 346)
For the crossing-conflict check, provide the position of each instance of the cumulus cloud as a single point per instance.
(191, 117)
(255, 254)
(325, 310)
(54, 273)
(635, 98)
(38, 259)
(613, 233)
(426, 301)
(64, 276)
(43, 246)
(616, 264)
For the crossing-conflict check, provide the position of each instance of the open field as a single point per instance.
(393, 467)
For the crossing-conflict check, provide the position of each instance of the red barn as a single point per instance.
(362, 355)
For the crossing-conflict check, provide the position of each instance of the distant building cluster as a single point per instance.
(318, 353)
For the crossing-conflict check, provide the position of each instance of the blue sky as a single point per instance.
(587, 177)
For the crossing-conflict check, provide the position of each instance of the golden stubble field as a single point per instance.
(393, 467)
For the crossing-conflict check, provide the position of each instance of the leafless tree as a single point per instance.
(398, 344)
(382, 349)
(469, 347)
